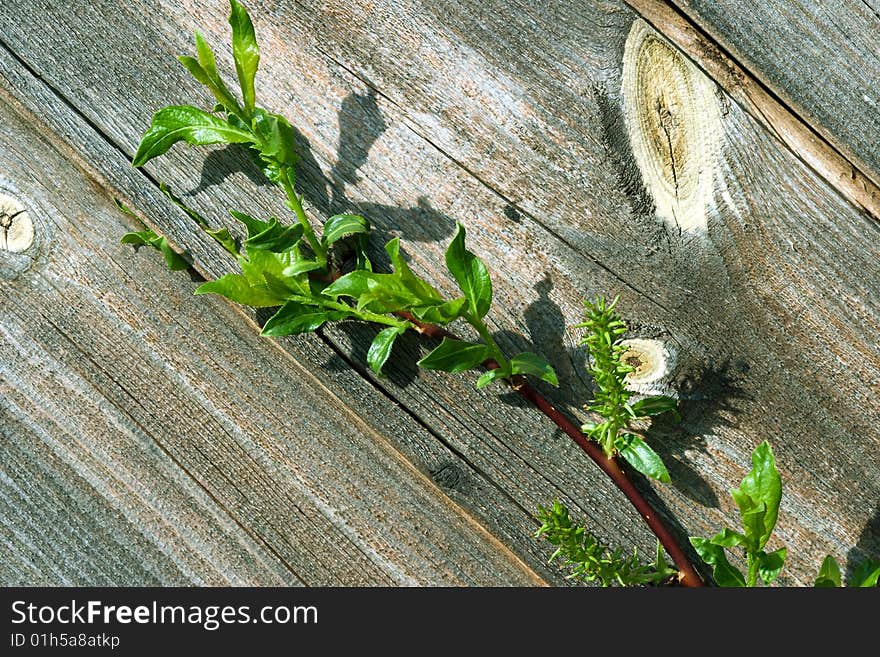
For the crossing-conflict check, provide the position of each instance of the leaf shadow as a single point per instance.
(868, 545)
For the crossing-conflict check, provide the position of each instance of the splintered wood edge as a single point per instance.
(844, 172)
(674, 125)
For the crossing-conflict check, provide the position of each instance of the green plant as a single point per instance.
(614, 431)
(305, 275)
(758, 499)
(865, 575)
(589, 560)
(290, 266)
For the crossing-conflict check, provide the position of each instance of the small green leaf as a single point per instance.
(492, 375)
(443, 314)
(470, 273)
(173, 259)
(340, 226)
(455, 356)
(728, 538)
(759, 495)
(640, 456)
(655, 406)
(865, 575)
(245, 51)
(277, 142)
(205, 71)
(769, 564)
(185, 123)
(294, 317)
(829, 573)
(420, 289)
(220, 235)
(534, 365)
(723, 572)
(276, 238)
(380, 349)
(253, 226)
(239, 289)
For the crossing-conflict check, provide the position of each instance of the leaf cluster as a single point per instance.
(758, 499)
(591, 561)
(865, 575)
(603, 339)
(290, 266)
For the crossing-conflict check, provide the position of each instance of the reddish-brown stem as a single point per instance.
(687, 575)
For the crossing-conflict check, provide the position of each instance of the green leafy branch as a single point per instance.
(613, 430)
(289, 266)
(588, 560)
(758, 499)
(865, 575)
(294, 269)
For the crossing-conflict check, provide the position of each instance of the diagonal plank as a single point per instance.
(512, 122)
(820, 57)
(149, 441)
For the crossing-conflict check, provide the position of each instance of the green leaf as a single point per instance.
(205, 71)
(655, 406)
(759, 495)
(185, 123)
(253, 226)
(340, 226)
(640, 456)
(420, 289)
(534, 365)
(723, 572)
(380, 349)
(442, 314)
(239, 289)
(470, 273)
(277, 142)
(380, 293)
(455, 356)
(275, 238)
(865, 575)
(492, 375)
(728, 538)
(220, 235)
(295, 317)
(769, 564)
(173, 259)
(829, 573)
(245, 52)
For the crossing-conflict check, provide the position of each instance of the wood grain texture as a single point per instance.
(820, 57)
(840, 167)
(510, 120)
(146, 440)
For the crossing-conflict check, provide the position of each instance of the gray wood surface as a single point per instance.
(149, 440)
(820, 57)
(510, 119)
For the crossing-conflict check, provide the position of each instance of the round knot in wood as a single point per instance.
(16, 227)
(674, 125)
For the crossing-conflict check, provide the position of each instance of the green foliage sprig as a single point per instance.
(290, 266)
(758, 499)
(865, 575)
(591, 561)
(614, 432)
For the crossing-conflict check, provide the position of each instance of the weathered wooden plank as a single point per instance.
(845, 170)
(149, 441)
(820, 57)
(498, 483)
(513, 123)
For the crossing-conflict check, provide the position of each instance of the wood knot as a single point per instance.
(16, 227)
(652, 361)
(674, 125)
